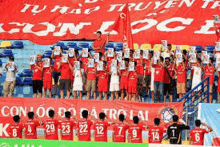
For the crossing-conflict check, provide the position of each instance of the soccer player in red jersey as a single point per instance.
(101, 128)
(31, 126)
(48, 81)
(66, 127)
(119, 130)
(197, 134)
(103, 78)
(84, 127)
(135, 131)
(51, 127)
(155, 134)
(15, 129)
(37, 79)
(209, 71)
(124, 79)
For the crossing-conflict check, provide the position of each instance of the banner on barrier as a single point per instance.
(46, 22)
(146, 112)
(210, 114)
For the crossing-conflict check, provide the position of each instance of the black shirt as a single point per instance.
(174, 132)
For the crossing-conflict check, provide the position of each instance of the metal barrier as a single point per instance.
(191, 106)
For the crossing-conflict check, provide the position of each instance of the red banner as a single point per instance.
(146, 112)
(48, 21)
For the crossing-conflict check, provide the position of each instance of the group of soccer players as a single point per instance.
(100, 126)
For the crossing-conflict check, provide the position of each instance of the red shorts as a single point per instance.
(103, 87)
(124, 85)
(132, 89)
(48, 85)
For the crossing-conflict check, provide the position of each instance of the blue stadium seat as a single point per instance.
(52, 63)
(198, 48)
(61, 44)
(47, 54)
(110, 45)
(83, 45)
(26, 73)
(64, 52)
(18, 45)
(7, 53)
(19, 81)
(119, 45)
(71, 45)
(0, 63)
(118, 48)
(209, 48)
(27, 81)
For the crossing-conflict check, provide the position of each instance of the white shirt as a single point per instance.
(10, 74)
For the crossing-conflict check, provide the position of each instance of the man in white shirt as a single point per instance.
(10, 79)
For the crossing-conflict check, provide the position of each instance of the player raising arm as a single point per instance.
(197, 134)
(31, 126)
(135, 131)
(101, 128)
(51, 127)
(155, 133)
(119, 130)
(174, 131)
(15, 129)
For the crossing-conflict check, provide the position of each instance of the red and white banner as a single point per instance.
(48, 21)
(146, 112)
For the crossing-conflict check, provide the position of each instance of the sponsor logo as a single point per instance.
(166, 113)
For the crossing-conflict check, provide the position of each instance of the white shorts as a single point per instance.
(78, 87)
(114, 87)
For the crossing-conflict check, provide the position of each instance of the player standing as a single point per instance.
(15, 129)
(174, 131)
(155, 134)
(119, 130)
(51, 127)
(84, 127)
(31, 126)
(197, 134)
(67, 127)
(101, 128)
(135, 131)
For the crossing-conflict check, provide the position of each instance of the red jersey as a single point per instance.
(155, 134)
(147, 68)
(218, 36)
(71, 61)
(168, 71)
(209, 72)
(159, 73)
(101, 131)
(67, 129)
(124, 75)
(56, 63)
(37, 73)
(48, 74)
(120, 132)
(16, 130)
(31, 129)
(103, 77)
(84, 62)
(84, 130)
(91, 73)
(197, 136)
(181, 74)
(140, 67)
(132, 78)
(97, 43)
(51, 129)
(65, 71)
(109, 59)
(136, 133)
